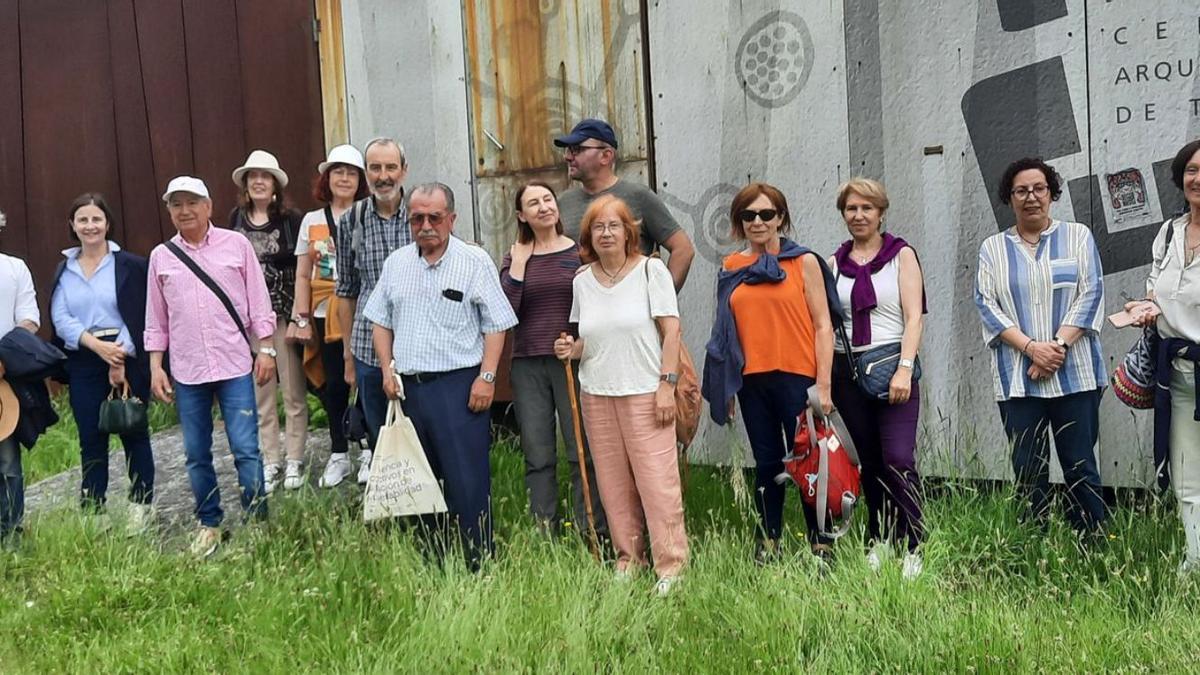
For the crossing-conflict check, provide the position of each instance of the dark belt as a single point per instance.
(426, 378)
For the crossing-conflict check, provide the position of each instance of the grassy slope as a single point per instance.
(316, 590)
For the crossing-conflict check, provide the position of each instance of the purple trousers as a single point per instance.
(886, 438)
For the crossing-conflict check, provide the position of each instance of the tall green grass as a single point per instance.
(316, 590)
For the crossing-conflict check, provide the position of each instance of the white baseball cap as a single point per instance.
(185, 184)
(343, 154)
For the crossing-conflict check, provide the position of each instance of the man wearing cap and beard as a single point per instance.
(590, 151)
(18, 309)
(366, 235)
(210, 349)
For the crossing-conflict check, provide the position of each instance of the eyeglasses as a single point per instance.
(578, 149)
(608, 227)
(748, 215)
(420, 219)
(1022, 193)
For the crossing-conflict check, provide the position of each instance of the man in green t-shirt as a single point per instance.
(591, 153)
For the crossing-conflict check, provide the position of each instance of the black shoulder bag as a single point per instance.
(216, 290)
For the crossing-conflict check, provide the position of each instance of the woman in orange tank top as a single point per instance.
(786, 335)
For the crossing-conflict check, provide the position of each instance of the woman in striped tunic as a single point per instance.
(1040, 294)
(537, 275)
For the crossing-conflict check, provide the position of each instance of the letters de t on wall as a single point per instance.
(1142, 103)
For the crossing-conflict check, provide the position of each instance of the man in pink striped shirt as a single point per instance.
(210, 348)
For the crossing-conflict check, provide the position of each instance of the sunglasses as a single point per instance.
(420, 219)
(766, 215)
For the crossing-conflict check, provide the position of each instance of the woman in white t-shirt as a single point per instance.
(1174, 288)
(622, 302)
(342, 181)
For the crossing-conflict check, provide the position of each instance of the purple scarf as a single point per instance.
(862, 295)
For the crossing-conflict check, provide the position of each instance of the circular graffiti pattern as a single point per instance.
(774, 59)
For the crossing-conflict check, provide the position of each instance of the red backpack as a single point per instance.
(825, 468)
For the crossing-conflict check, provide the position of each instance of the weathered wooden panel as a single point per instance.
(164, 79)
(537, 68)
(215, 97)
(70, 138)
(333, 72)
(281, 88)
(12, 146)
(142, 220)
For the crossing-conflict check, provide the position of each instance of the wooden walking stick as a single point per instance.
(593, 540)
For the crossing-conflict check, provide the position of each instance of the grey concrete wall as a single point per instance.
(405, 78)
(933, 97)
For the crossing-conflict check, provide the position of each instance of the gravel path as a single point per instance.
(173, 501)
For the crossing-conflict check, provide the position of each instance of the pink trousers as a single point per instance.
(637, 474)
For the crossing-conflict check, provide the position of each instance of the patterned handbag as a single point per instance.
(1133, 380)
(876, 367)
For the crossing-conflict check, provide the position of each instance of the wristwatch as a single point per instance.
(670, 378)
(1061, 343)
(905, 363)
(301, 321)
(488, 376)
(269, 351)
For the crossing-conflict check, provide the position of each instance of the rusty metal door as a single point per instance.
(537, 67)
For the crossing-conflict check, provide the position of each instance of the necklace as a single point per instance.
(612, 277)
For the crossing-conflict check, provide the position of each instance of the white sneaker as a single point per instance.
(270, 477)
(912, 566)
(139, 519)
(336, 470)
(876, 556)
(364, 467)
(664, 586)
(207, 540)
(1188, 567)
(293, 479)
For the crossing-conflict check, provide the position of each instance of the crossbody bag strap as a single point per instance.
(212, 286)
(839, 327)
(332, 224)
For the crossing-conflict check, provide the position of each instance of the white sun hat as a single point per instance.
(263, 161)
(343, 154)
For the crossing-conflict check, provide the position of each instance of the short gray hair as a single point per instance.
(386, 141)
(431, 188)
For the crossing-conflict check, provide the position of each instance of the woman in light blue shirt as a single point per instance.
(99, 312)
(1040, 294)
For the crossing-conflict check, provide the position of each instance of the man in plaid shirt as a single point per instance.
(366, 235)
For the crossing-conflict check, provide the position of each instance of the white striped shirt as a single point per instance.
(1061, 285)
(438, 313)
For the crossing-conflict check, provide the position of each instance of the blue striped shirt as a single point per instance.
(1062, 284)
(438, 313)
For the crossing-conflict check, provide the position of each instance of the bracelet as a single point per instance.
(1026, 345)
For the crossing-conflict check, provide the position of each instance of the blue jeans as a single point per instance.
(12, 487)
(240, 412)
(369, 380)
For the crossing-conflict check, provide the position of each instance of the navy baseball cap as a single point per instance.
(589, 128)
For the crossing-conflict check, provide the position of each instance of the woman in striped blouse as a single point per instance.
(537, 275)
(1040, 294)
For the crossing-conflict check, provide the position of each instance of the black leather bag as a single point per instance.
(876, 367)
(123, 415)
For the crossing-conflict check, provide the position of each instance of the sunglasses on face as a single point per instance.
(420, 219)
(766, 215)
